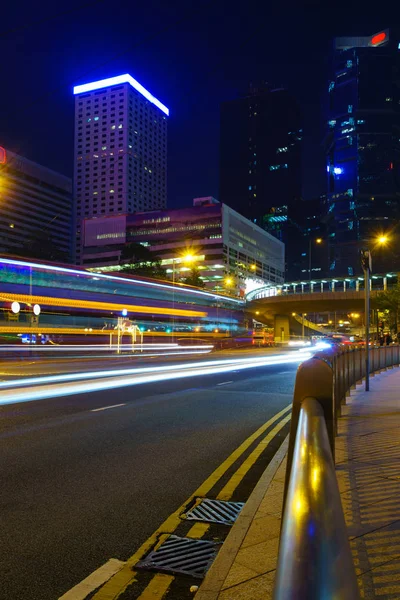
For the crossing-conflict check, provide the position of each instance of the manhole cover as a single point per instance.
(215, 511)
(181, 555)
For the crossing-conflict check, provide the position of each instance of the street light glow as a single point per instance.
(15, 307)
(382, 239)
(318, 241)
(228, 281)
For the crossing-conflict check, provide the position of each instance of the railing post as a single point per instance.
(359, 364)
(391, 357)
(348, 379)
(314, 379)
(373, 361)
(353, 363)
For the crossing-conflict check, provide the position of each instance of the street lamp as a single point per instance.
(366, 263)
(317, 241)
(253, 267)
(382, 240)
(185, 258)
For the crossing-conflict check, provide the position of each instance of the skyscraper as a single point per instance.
(363, 149)
(36, 204)
(120, 150)
(260, 152)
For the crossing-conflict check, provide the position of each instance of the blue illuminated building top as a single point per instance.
(118, 80)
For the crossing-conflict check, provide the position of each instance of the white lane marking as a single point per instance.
(225, 383)
(94, 580)
(107, 407)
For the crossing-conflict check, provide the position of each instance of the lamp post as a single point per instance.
(186, 258)
(317, 241)
(366, 263)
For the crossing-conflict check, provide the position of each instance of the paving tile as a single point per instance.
(260, 557)
(262, 528)
(259, 588)
(238, 574)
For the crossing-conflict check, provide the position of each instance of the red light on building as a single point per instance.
(378, 38)
(3, 156)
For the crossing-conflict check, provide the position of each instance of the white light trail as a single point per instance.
(141, 376)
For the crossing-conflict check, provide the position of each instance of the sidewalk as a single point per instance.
(368, 471)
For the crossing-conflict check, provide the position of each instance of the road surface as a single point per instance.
(82, 483)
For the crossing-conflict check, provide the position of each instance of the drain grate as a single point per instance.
(215, 511)
(181, 555)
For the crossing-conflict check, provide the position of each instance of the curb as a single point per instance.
(216, 576)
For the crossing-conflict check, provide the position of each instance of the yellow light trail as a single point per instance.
(92, 304)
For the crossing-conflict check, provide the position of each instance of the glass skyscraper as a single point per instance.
(363, 150)
(260, 152)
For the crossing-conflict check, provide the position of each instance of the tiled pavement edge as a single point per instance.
(368, 472)
(245, 565)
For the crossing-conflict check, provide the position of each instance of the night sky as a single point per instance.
(192, 56)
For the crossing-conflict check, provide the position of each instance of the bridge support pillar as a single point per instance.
(281, 328)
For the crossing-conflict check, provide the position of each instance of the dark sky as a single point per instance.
(191, 56)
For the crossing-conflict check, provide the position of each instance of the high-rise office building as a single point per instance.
(260, 152)
(363, 149)
(36, 205)
(120, 150)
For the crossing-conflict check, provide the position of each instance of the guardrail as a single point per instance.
(315, 559)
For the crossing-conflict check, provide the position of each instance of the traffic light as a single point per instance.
(366, 261)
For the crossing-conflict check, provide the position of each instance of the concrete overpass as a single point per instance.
(277, 304)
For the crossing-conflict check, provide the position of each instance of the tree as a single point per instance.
(139, 260)
(194, 279)
(40, 244)
(390, 300)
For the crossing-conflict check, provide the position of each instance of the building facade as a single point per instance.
(363, 150)
(260, 152)
(34, 199)
(120, 153)
(230, 252)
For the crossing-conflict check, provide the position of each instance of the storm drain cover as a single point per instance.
(215, 511)
(181, 555)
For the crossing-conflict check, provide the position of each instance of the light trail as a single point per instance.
(98, 347)
(93, 275)
(66, 386)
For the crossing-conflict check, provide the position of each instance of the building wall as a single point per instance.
(224, 243)
(120, 151)
(33, 197)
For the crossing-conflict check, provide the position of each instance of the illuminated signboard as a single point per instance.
(379, 38)
(3, 157)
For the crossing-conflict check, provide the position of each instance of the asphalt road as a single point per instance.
(80, 487)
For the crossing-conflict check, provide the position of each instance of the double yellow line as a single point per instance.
(160, 583)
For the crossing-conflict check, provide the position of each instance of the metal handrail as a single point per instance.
(314, 557)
